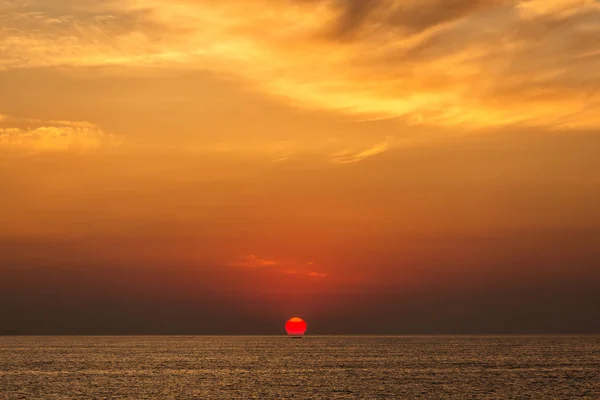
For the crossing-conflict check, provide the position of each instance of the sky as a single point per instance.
(373, 166)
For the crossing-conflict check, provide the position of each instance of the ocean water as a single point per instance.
(315, 367)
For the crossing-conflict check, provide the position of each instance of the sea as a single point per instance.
(314, 367)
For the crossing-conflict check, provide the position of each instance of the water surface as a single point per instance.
(316, 367)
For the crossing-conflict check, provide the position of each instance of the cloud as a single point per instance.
(288, 267)
(452, 63)
(51, 136)
(317, 275)
(347, 157)
(404, 16)
(555, 8)
(253, 261)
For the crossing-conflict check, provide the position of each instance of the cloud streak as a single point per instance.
(348, 157)
(253, 261)
(51, 136)
(459, 63)
(288, 267)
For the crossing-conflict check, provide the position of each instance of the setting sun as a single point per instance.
(295, 327)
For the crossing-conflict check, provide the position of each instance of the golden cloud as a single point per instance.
(53, 136)
(347, 157)
(467, 63)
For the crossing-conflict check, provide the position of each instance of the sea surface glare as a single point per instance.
(316, 367)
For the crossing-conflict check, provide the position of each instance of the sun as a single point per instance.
(295, 327)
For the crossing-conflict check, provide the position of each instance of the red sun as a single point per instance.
(295, 327)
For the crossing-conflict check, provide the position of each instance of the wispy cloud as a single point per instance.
(347, 157)
(285, 267)
(253, 261)
(317, 275)
(51, 136)
(532, 62)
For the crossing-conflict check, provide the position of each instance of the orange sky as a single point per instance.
(416, 163)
